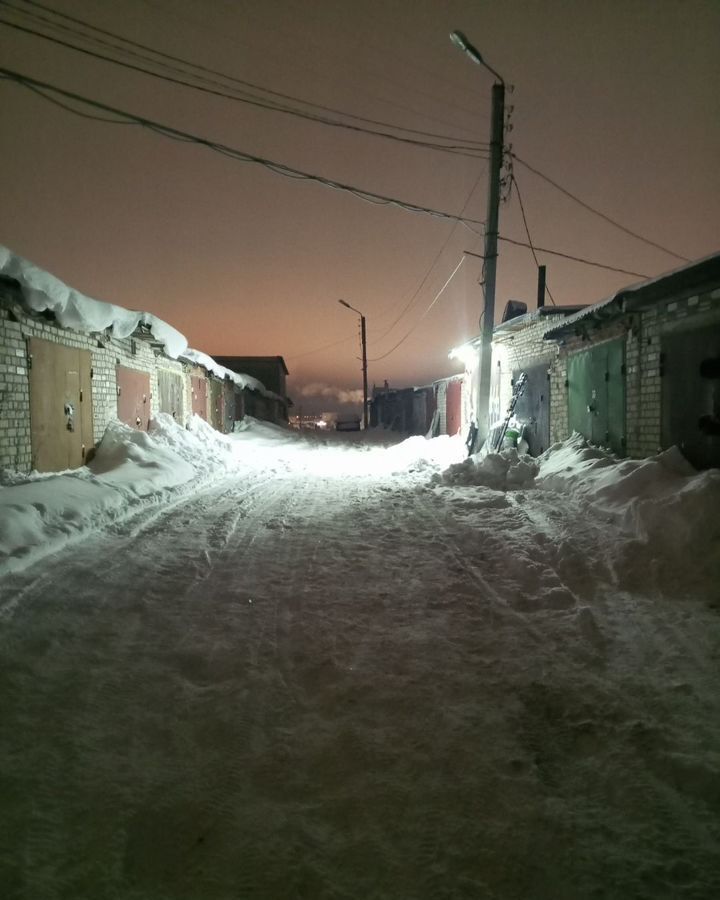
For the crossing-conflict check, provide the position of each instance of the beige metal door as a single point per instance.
(172, 389)
(60, 405)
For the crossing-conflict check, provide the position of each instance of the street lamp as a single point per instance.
(487, 321)
(363, 340)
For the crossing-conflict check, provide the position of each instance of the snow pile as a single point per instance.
(666, 511)
(200, 446)
(42, 291)
(41, 513)
(503, 471)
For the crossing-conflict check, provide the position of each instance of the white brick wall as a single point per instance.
(106, 354)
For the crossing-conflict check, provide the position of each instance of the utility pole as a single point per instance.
(487, 321)
(492, 222)
(363, 338)
(363, 341)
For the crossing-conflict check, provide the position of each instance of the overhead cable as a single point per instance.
(240, 155)
(432, 303)
(527, 232)
(579, 259)
(221, 90)
(597, 212)
(432, 264)
(199, 67)
(176, 134)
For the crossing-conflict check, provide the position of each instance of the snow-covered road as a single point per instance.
(304, 683)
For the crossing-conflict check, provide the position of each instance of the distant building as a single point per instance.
(270, 370)
(408, 410)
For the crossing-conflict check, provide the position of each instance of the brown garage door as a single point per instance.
(453, 407)
(216, 404)
(60, 406)
(133, 405)
(198, 387)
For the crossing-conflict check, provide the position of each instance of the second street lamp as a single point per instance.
(363, 340)
(487, 321)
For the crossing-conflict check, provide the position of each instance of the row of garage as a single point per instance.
(59, 387)
(638, 372)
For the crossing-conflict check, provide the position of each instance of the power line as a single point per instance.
(464, 144)
(279, 168)
(527, 232)
(597, 212)
(323, 347)
(455, 149)
(224, 149)
(432, 264)
(579, 259)
(432, 303)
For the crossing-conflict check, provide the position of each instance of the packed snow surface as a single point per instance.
(271, 665)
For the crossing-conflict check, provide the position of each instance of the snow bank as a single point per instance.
(42, 291)
(665, 511)
(42, 513)
(657, 516)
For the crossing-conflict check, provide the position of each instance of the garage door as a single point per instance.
(61, 429)
(596, 395)
(691, 395)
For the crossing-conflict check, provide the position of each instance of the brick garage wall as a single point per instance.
(643, 333)
(16, 327)
(559, 423)
(107, 354)
(644, 362)
(15, 451)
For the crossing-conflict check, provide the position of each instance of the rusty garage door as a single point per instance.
(133, 393)
(61, 426)
(453, 407)
(229, 406)
(198, 387)
(216, 404)
(171, 387)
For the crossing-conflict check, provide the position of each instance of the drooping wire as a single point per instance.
(597, 212)
(216, 88)
(239, 155)
(432, 265)
(578, 259)
(432, 303)
(452, 149)
(279, 168)
(527, 232)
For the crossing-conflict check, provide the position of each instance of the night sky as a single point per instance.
(618, 102)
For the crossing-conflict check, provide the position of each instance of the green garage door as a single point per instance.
(596, 395)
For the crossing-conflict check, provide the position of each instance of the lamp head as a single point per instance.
(459, 39)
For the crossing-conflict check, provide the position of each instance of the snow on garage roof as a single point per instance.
(689, 277)
(42, 291)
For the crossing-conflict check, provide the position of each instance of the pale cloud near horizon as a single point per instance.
(318, 389)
